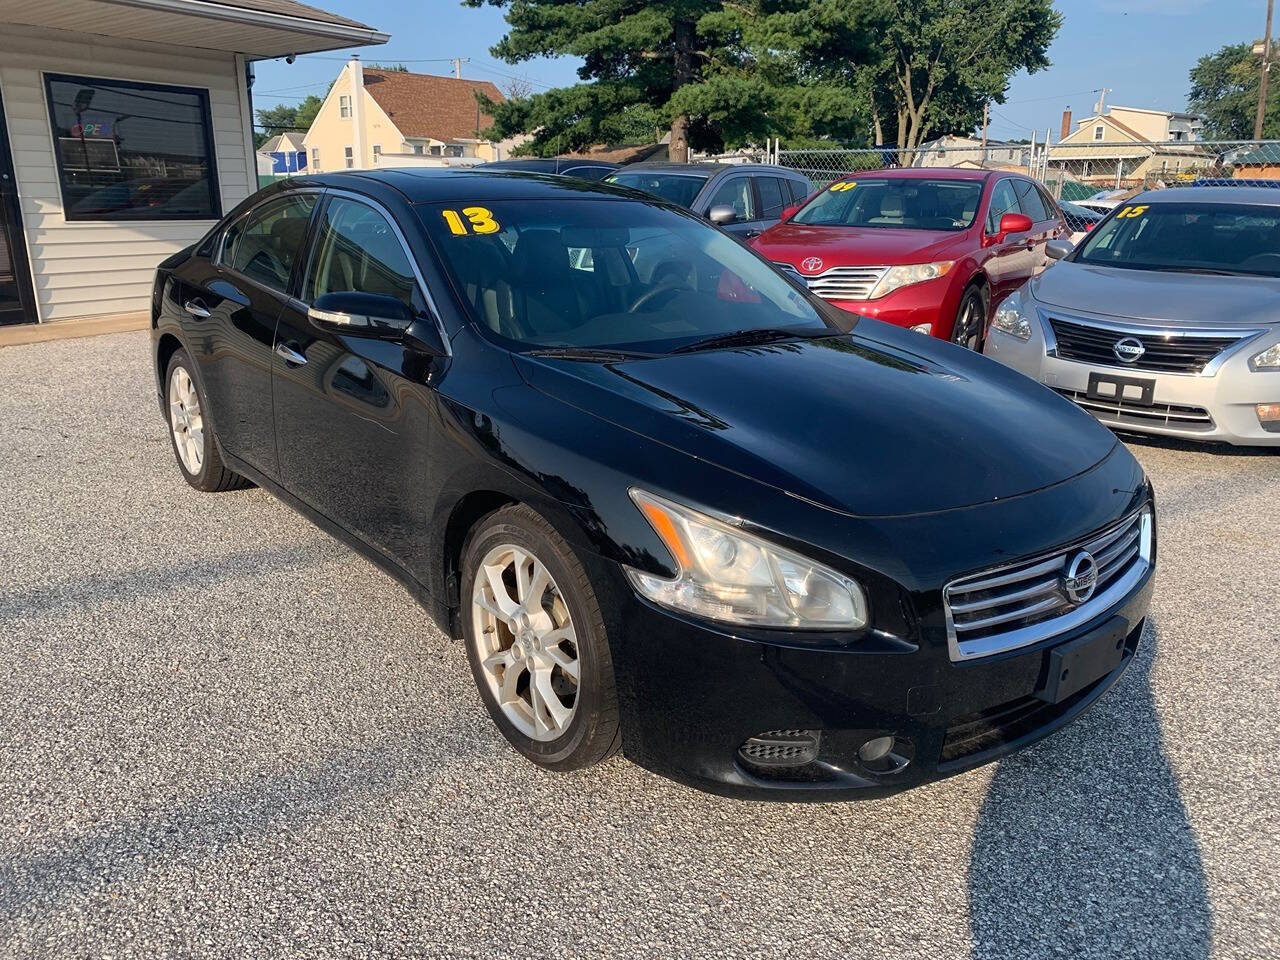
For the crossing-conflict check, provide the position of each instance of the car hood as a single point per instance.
(883, 425)
(1199, 298)
(855, 246)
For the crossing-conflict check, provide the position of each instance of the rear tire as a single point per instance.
(536, 642)
(191, 430)
(970, 327)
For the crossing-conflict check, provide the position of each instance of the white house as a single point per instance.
(125, 133)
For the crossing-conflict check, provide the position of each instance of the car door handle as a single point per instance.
(196, 308)
(289, 355)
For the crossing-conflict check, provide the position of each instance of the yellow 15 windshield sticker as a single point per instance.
(1131, 213)
(843, 185)
(479, 220)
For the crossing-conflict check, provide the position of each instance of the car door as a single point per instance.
(773, 196)
(232, 302)
(1044, 222)
(735, 190)
(354, 415)
(1010, 258)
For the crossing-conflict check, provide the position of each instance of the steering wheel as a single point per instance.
(670, 285)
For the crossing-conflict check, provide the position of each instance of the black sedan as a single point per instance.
(760, 545)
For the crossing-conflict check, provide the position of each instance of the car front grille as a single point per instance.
(1026, 602)
(840, 283)
(1122, 412)
(1180, 352)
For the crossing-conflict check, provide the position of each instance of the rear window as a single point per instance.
(678, 188)
(903, 204)
(1188, 238)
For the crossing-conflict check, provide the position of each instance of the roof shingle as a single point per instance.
(422, 105)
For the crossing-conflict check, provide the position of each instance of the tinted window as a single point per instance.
(658, 280)
(1188, 237)
(679, 188)
(1003, 200)
(264, 245)
(771, 202)
(735, 192)
(1050, 207)
(1029, 201)
(357, 250)
(800, 189)
(906, 203)
(132, 151)
(589, 173)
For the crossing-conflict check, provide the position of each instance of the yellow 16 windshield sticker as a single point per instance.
(843, 185)
(479, 220)
(1132, 213)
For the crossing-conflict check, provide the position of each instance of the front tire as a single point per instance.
(191, 430)
(536, 642)
(971, 319)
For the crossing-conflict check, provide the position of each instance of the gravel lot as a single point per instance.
(224, 734)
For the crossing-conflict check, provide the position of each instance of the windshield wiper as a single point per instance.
(1214, 271)
(748, 338)
(590, 354)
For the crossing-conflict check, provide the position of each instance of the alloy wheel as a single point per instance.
(186, 420)
(969, 324)
(527, 646)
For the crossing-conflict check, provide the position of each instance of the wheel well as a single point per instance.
(467, 512)
(165, 349)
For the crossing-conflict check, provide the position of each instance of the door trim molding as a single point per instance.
(16, 236)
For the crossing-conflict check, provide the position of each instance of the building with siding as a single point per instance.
(125, 133)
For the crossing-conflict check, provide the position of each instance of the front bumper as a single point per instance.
(1220, 406)
(933, 302)
(694, 693)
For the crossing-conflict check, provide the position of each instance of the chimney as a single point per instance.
(1066, 124)
(357, 110)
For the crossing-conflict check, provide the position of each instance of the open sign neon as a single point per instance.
(91, 130)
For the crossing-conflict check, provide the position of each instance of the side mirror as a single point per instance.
(1015, 223)
(1058, 249)
(789, 212)
(721, 214)
(362, 314)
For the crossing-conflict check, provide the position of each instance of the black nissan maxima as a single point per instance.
(762, 546)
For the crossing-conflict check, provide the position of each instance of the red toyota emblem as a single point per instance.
(811, 264)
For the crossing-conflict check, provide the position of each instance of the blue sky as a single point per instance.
(1140, 49)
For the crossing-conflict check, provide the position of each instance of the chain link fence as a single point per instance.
(1070, 171)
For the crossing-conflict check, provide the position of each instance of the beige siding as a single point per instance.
(88, 268)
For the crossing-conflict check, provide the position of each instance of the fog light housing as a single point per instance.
(875, 749)
(925, 328)
(1269, 416)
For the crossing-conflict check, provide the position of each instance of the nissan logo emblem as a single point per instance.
(1082, 577)
(811, 264)
(1128, 350)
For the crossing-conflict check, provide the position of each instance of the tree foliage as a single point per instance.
(284, 118)
(727, 72)
(1224, 90)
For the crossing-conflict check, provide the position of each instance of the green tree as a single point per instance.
(1224, 90)
(681, 62)
(283, 118)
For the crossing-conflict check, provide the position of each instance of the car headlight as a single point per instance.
(729, 575)
(1268, 359)
(908, 274)
(1010, 319)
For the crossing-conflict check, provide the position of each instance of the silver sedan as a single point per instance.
(1165, 320)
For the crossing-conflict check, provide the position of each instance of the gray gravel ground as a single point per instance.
(223, 734)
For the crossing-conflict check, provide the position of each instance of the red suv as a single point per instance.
(930, 249)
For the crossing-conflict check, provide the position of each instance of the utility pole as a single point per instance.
(1102, 96)
(1266, 73)
(986, 117)
(457, 66)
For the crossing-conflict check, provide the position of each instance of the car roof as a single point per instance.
(544, 163)
(1260, 196)
(710, 167)
(443, 184)
(932, 173)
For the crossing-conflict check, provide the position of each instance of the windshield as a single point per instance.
(605, 274)
(1188, 237)
(901, 203)
(679, 188)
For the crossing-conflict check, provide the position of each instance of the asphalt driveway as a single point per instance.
(224, 734)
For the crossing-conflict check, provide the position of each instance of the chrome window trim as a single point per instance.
(379, 208)
(1054, 626)
(1244, 335)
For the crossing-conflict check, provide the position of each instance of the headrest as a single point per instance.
(540, 257)
(891, 204)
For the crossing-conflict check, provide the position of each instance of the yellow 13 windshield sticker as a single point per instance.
(479, 220)
(843, 185)
(1131, 213)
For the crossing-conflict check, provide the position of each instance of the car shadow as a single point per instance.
(1216, 449)
(1083, 846)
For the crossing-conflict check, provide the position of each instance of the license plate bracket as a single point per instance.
(1078, 663)
(1116, 389)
